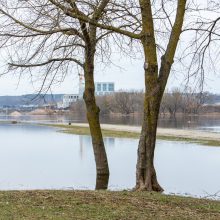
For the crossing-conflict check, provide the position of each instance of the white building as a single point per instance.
(68, 100)
(104, 88)
(101, 88)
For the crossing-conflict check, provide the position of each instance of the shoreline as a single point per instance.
(126, 131)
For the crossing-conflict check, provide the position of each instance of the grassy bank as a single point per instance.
(61, 205)
(71, 129)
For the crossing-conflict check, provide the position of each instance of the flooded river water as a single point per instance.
(38, 157)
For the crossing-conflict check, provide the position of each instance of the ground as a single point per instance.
(103, 205)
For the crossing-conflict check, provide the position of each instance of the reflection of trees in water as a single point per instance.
(179, 122)
(109, 142)
(186, 121)
(189, 121)
(120, 119)
(85, 142)
(81, 153)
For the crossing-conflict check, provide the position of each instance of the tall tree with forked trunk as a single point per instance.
(137, 22)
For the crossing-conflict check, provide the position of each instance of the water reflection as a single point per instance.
(33, 157)
(192, 122)
(101, 180)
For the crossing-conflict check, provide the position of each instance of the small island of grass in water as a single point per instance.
(84, 130)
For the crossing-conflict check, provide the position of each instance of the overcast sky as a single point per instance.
(130, 76)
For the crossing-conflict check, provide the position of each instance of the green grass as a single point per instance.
(10, 122)
(213, 143)
(103, 205)
(70, 129)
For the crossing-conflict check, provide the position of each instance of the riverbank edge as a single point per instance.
(84, 130)
(105, 205)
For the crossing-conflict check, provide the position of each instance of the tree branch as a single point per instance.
(47, 62)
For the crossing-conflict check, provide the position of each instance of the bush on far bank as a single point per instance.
(131, 102)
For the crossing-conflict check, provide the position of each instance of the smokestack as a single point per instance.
(81, 85)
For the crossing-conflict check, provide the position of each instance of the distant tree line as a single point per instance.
(173, 102)
(122, 102)
(185, 102)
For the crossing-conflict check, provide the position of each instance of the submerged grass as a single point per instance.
(206, 142)
(80, 130)
(103, 205)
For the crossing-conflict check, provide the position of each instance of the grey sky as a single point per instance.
(129, 76)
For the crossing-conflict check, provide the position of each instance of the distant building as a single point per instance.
(59, 105)
(101, 88)
(104, 88)
(68, 100)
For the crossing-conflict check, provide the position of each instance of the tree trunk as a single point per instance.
(146, 178)
(155, 83)
(102, 169)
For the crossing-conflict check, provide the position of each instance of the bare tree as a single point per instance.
(105, 104)
(173, 101)
(154, 22)
(127, 102)
(78, 108)
(202, 52)
(41, 35)
(138, 24)
(123, 103)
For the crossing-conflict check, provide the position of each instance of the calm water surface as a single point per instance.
(209, 123)
(33, 157)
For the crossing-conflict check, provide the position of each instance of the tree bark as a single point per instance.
(102, 169)
(146, 178)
